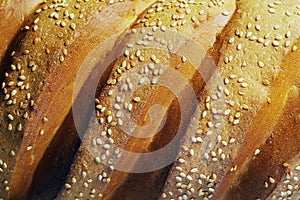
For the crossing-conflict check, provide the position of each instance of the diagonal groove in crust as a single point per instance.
(262, 171)
(88, 175)
(248, 65)
(134, 186)
(265, 136)
(288, 186)
(51, 171)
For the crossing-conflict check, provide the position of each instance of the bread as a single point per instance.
(270, 153)
(39, 64)
(288, 155)
(13, 14)
(227, 133)
(224, 73)
(93, 171)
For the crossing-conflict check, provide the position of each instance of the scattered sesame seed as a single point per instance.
(272, 180)
(29, 148)
(294, 48)
(225, 13)
(257, 151)
(261, 64)
(137, 99)
(275, 43)
(266, 82)
(271, 10)
(45, 119)
(42, 132)
(68, 186)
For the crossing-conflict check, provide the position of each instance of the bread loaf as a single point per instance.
(43, 58)
(253, 47)
(265, 136)
(145, 99)
(93, 173)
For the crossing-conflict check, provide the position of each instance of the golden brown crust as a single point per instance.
(13, 13)
(262, 171)
(273, 137)
(89, 176)
(253, 47)
(245, 145)
(42, 60)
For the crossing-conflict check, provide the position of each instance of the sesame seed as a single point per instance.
(68, 186)
(272, 180)
(202, 176)
(232, 140)
(42, 132)
(266, 82)
(231, 40)
(73, 26)
(12, 153)
(47, 51)
(106, 146)
(194, 170)
(253, 38)
(288, 34)
(13, 93)
(256, 152)
(35, 27)
(266, 185)
(271, 10)
(235, 122)
(38, 11)
(223, 157)
(261, 64)
(192, 152)
(194, 19)
(260, 40)
(10, 117)
(244, 85)
(109, 119)
(97, 160)
(278, 37)
(22, 77)
(137, 99)
(266, 43)
(225, 13)
(249, 34)
(45, 119)
(294, 48)
(141, 58)
(287, 43)
(61, 58)
(163, 28)
(257, 27)
(275, 43)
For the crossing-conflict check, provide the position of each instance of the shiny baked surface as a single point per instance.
(168, 99)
